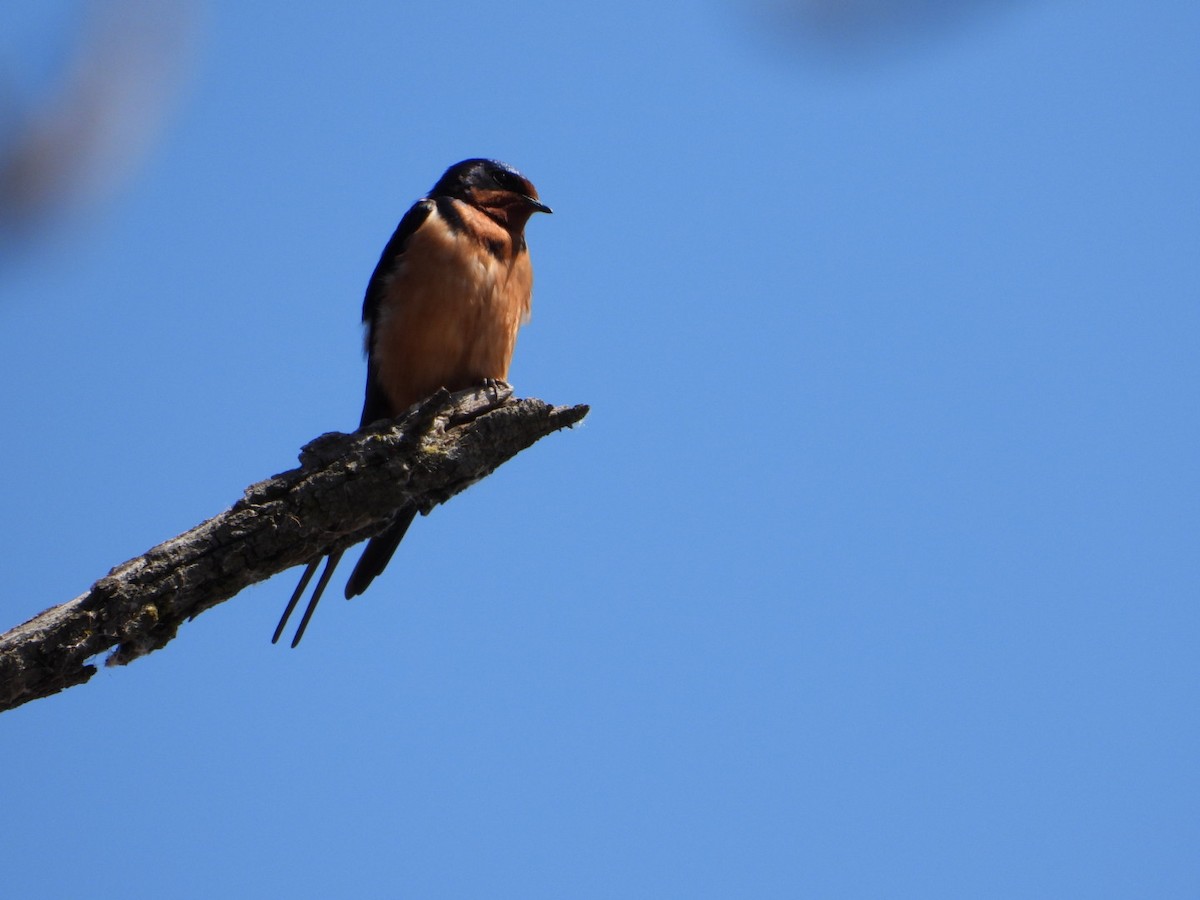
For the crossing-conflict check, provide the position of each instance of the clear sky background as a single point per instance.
(874, 571)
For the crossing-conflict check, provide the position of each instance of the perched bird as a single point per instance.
(442, 310)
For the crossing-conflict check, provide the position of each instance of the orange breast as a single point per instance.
(451, 311)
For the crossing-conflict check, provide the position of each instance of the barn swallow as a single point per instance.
(442, 310)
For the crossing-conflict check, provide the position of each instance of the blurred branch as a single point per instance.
(347, 489)
(857, 30)
(82, 136)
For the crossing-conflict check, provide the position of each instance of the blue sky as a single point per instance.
(873, 572)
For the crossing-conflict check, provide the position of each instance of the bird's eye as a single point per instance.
(506, 181)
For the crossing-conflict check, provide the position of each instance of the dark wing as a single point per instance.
(378, 553)
(375, 405)
(379, 549)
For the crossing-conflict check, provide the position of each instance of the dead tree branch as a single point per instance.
(347, 489)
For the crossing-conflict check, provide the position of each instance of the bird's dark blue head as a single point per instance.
(488, 183)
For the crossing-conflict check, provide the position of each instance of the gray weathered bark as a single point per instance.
(347, 489)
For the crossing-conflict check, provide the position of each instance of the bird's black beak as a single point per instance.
(538, 205)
